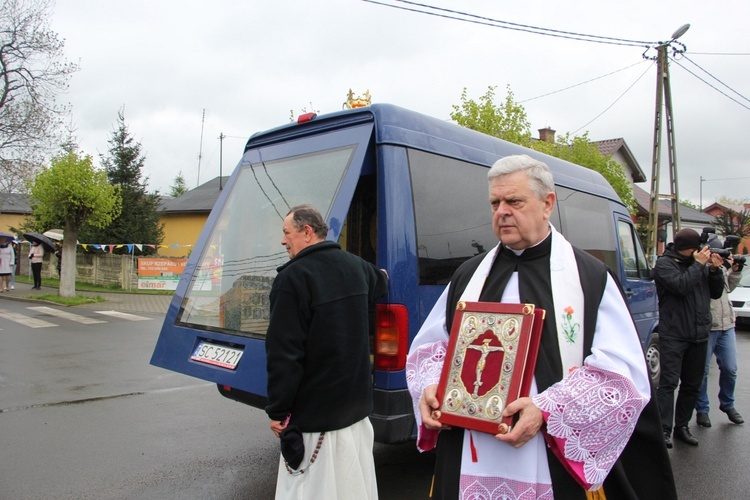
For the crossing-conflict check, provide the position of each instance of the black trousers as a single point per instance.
(36, 269)
(682, 363)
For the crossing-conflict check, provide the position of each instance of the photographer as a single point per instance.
(687, 277)
(722, 342)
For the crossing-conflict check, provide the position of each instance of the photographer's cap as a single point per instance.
(686, 239)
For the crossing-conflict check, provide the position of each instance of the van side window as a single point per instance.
(633, 259)
(627, 249)
(452, 214)
(586, 222)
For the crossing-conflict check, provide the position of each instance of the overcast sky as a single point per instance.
(248, 64)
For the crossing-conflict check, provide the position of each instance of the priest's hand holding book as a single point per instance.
(529, 422)
(529, 417)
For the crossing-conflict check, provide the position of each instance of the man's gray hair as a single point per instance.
(539, 173)
(308, 215)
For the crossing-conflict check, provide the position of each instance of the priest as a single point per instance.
(589, 428)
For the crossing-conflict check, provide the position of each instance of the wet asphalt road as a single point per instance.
(83, 415)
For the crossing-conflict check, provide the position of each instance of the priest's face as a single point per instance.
(520, 217)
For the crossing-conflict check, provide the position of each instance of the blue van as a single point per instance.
(403, 190)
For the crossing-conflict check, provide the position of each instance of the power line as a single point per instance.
(614, 102)
(497, 23)
(712, 76)
(579, 84)
(721, 53)
(707, 83)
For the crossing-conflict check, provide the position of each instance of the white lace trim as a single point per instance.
(498, 488)
(594, 411)
(423, 367)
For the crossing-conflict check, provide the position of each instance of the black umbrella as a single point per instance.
(7, 236)
(41, 239)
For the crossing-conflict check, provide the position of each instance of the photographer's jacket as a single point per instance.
(722, 314)
(685, 288)
(317, 345)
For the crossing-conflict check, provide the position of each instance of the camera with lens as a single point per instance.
(709, 238)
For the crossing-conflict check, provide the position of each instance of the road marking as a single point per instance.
(25, 320)
(122, 315)
(67, 315)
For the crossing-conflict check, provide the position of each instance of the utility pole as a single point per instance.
(221, 155)
(200, 148)
(664, 101)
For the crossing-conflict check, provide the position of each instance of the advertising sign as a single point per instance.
(159, 274)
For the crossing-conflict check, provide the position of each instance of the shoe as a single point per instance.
(702, 419)
(683, 434)
(734, 417)
(12, 288)
(667, 440)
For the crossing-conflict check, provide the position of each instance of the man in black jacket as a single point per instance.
(687, 277)
(318, 363)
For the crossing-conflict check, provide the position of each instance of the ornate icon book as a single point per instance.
(490, 363)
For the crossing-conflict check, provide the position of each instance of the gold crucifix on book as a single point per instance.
(485, 349)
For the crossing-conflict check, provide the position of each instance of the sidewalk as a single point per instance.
(114, 301)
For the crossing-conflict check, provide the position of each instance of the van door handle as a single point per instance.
(628, 293)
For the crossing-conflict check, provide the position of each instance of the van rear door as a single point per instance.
(216, 324)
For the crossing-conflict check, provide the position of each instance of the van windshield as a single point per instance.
(230, 286)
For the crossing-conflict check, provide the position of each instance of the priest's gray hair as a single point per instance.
(308, 215)
(539, 173)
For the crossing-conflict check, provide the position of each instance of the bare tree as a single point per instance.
(33, 73)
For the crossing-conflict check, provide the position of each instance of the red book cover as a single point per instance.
(490, 363)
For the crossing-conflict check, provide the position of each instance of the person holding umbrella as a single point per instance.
(39, 244)
(36, 257)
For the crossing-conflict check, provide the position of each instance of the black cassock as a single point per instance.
(643, 470)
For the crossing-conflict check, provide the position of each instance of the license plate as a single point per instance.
(217, 355)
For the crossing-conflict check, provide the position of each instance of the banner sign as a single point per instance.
(159, 274)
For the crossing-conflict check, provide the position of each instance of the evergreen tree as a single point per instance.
(179, 187)
(139, 221)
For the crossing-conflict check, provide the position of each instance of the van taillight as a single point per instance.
(391, 337)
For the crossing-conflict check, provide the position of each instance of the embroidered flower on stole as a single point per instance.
(570, 329)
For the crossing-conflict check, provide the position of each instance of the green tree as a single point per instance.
(581, 151)
(74, 191)
(690, 204)
(726, 200)
(509, 122)
(32, 74)
(139, 220)
(179, 187)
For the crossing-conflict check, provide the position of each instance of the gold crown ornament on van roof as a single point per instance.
(359, 101)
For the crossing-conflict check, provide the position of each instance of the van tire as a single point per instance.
(653, 359)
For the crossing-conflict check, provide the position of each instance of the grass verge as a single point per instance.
(71, 301)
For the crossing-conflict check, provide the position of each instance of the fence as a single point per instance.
(99, 269)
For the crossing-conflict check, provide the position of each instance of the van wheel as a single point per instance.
(653, 359)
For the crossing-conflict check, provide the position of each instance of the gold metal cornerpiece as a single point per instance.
(461, 305)
(503, 428)
(436, 414)
(528, 309)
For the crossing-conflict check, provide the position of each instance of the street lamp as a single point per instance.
(664, 99)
